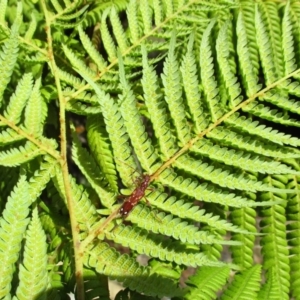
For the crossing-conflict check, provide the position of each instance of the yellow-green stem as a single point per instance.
(63, 162)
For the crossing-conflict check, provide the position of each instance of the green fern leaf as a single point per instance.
(18, 156)
(118, 30)
(100, 148)
(249, 162)
(116, 130)
(269, 290)
(156, 246)
(41, 177)
(3, 6)
(208, 80)
(33, 273)
(205, 192)
(135, 128)
(250, 143)
(172, 226)
(105, 259)
(157, 107)
(244, 218)
(173, 93)
(90, 48)
(89, 168)
(9, 136)
(205, 284)
(244, 286)
(275, 248)
(228, 77)
(31, 28)
(191, 88)
(108, 42)
(274, 115)
(254, 128)
(272, 23)
(18, 101)
(186, 210)
(133, 21)
(35, 112)
(9, 53)
(247, 50)
(293, 236)
(287, 41)
(13, 224)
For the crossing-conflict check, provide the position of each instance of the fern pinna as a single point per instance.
(201, 97)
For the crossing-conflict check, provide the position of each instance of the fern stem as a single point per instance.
(218, 122)
(64, 163)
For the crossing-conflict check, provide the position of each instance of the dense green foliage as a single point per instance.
(200, 95)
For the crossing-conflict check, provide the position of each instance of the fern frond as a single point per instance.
(105, 259)
(9, 53)
(247, 50)
(18, 156)
(18, 100)
(287, 41)
(133, 24)
(117, 133)
(41, 177)
(118, 30)
(275, 248)
(205, 191)
(33, 275)
(270, 289)
(245, 285)
(3, 6)
(244, 218)
(31, 28)
(207, 75)
(13, 224)
(236, 158)
(35, 112)
(222, 177)
(101, 149)
(293, 235)
(71, 80)
(172, 226)
(252, 144)
(274, 115)
(228, 77)
(191, 88)
(254, 128)
(186, 210)
(108, 42)
(93, 53)
(92, 173)
(143, 242)
(146, 13)
(173, 93)
(265, 48)
(157, 107)
(135, 128)
(205, 284)
(9, 136)
(271, 21)
(70, 16)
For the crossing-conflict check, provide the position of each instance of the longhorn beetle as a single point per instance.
(135, 197)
